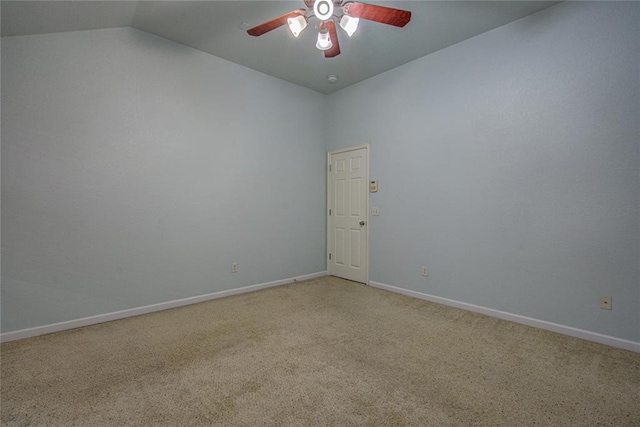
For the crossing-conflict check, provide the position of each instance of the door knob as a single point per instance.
(362, 223)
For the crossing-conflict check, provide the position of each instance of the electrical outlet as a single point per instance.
(234, 267)
(605, 303)
(424, 270)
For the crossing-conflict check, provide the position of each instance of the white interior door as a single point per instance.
(348, 204)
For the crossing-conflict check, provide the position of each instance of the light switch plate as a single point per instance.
(374, 212)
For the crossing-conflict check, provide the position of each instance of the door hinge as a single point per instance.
(329, 168)
(329, 256)
(329, 212)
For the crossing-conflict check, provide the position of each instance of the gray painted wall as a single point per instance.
(509, 165)
(136, 170)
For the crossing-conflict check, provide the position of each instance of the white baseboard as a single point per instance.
(541, 324)
(107, 317)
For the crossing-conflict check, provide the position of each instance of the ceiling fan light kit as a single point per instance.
(323, 10)
(297, 24)
(349, 24)
(324, 41)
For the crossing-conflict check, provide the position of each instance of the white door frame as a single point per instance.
(329, 154)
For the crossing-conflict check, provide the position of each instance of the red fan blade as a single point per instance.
(333, 35)
(382, 14)
(274, 23)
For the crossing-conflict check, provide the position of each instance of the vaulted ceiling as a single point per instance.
(216, 27)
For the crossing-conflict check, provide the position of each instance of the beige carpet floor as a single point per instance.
(322, 352)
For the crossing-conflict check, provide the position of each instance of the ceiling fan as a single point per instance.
(323, 10)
